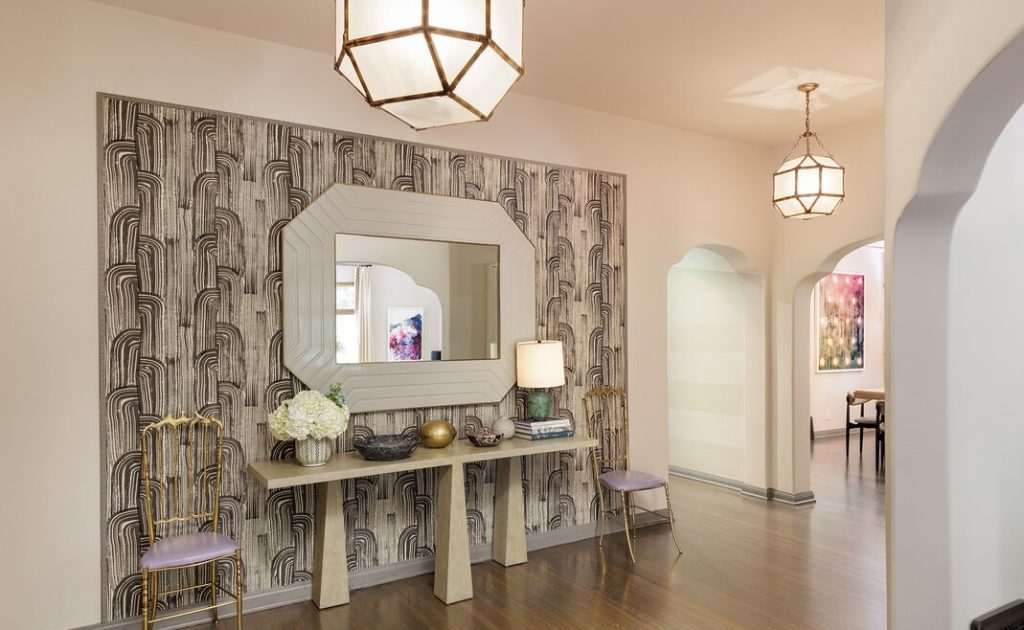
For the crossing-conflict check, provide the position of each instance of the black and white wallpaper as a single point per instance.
(192, 204)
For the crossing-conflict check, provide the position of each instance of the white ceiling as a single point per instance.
(728, 68)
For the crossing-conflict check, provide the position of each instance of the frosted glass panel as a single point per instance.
(454, 54)
(832, 181)
(373, 17)
(397, 67)
(349, 72)
(507, 27)
(430, 112)
(790, 207)
(486, 82)
(827, 204)
(807, 181)
(469, 16)
(785, 185)
(790, 164)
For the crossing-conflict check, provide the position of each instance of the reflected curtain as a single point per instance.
(363, 318)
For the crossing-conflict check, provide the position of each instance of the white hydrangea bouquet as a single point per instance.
(313, 420)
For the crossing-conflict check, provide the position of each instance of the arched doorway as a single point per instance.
(716, 370)
(955, 429)
(802, 366)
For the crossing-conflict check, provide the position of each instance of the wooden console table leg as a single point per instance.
(509, 519)
(453, 581)
(330, 575)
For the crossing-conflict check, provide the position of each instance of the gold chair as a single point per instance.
(608, 422)
(181, 467)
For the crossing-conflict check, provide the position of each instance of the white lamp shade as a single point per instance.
(539, 364)
(808, 186)
(431, 62)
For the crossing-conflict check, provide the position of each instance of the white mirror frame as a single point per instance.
(309, 295)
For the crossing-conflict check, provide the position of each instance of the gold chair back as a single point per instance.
(181, 462)
(608, 422)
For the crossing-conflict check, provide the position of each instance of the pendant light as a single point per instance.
(431, 62)
(810, 185)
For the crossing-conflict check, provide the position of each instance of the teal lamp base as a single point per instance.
(538, 404)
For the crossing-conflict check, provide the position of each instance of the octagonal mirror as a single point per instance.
(407, 300)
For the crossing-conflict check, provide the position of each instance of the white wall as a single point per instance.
(986, 470)
(684, 189)
(952, 82)
(828, 389)
(707, 365)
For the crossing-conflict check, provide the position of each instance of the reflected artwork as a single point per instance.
(840, 316)
(405, 333)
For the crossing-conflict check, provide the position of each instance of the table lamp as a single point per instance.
(539, 365)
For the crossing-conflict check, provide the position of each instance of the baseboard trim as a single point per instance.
(824, 434)
(798, 500)
(714, 480)
(756, 492)
(375, 576)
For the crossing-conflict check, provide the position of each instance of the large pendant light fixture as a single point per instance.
(431, 62)
(810, 185)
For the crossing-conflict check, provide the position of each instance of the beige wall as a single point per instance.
(684, 190)
(828, 389)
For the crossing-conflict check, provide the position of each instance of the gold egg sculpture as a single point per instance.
(437, 434)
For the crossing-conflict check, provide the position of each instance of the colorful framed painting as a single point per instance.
(405, 333)
(839, 300)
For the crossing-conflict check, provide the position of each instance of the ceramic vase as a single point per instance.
(314, 452)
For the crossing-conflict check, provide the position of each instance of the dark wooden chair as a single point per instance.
(859, 399)
(880, 435)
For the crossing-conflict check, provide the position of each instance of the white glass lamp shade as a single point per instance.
(431, 62)
(808, 186)
(539, 364)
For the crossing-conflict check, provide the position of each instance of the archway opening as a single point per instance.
(716, 369)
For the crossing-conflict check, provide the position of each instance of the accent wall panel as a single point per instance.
(192, 203)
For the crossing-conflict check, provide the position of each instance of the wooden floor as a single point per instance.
(747, 564)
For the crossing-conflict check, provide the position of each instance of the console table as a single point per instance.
(452, 578)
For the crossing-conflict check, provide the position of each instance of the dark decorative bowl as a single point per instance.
(386, 448)
(484, 437)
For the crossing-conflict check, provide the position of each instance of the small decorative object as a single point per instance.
(313, 421)
(484, 437)
(437, 434)
(539, 366)
(840, 311)
(808, 185)
(386, 448)
(504, 427)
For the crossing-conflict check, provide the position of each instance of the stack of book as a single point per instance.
(543, 429)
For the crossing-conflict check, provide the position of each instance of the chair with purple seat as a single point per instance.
(181, 466)
(608, 422)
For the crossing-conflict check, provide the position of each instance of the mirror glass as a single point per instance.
(400, 299)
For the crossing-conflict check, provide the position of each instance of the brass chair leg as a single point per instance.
(238, 587)
(213, 590)
(672, 519)
(601, 516)
(625, 523)
(632, 513)
(145, 599)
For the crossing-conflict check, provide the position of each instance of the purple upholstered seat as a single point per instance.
(631, 480)
(187, 549)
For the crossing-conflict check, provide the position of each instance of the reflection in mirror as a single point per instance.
(399, 299)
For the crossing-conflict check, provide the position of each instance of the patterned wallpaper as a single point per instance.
(192, 204)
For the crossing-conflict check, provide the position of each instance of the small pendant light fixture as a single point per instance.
(431, 62)
(810, 185)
